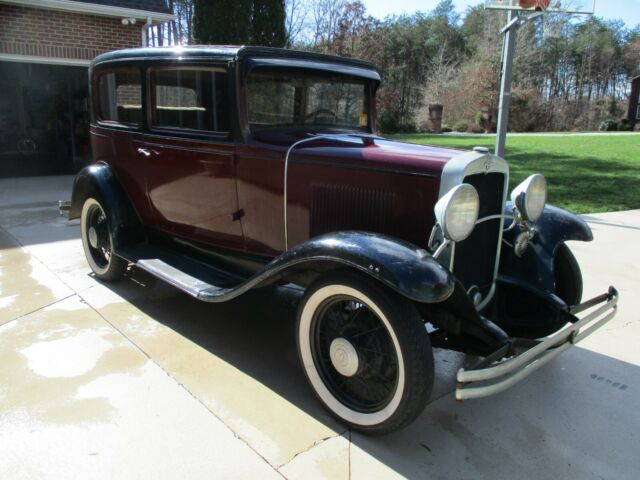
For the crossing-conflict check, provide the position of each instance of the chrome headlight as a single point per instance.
(457, 212)
(530, 197)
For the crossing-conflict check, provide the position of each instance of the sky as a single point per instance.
(627, 10)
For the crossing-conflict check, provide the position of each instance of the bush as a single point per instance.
(460, 127)
(446, 129)
(624, 125)
(608, 126)
(388, 123)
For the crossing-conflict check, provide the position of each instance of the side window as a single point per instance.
(190, 99)
(121, 97)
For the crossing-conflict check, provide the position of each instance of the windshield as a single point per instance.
(286, 98)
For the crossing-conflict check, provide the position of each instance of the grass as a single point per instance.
(586, 174)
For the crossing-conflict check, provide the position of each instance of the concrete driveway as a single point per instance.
(137, 380)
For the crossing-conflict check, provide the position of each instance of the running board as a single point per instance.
(193, 277)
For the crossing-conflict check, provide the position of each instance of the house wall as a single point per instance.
(48, 33)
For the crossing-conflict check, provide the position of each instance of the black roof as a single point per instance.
(159, 6)
(230, 52)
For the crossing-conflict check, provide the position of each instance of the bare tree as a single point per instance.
(296, 20)
(325, 16)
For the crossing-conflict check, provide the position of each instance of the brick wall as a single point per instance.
(49, 33)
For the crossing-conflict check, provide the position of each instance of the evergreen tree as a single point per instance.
(239, 22)
(222, 22)
(268, 23)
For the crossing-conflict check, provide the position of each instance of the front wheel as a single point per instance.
(365, 352)
(97, 241)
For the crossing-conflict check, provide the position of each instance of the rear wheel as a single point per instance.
(97, 241)
(365, 351)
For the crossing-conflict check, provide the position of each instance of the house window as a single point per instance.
(190, 99)
(121, 97)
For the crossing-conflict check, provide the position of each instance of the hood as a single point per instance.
(371, 152)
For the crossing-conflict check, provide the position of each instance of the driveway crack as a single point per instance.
(310, 447)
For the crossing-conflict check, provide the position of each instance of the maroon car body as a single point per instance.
(223, 169)
(241, 170)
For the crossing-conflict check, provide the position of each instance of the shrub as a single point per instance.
(460, 127)
(608, 126)
(624, 125)
(388, 123)
(446, 129)
(478, 118)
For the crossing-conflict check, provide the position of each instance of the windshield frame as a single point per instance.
(369, 79)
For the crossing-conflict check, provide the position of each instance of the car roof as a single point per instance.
(229, 52)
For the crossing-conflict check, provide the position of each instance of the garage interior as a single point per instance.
(44, 119)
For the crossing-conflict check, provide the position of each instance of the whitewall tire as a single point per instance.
(97, 242)
(365, 352)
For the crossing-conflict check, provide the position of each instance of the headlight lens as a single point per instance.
(530, 197)
(457, 212)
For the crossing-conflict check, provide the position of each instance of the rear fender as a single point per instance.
(98, 181)
(554, 227)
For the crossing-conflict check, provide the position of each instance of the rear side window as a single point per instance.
(121, 97)
(190, 99)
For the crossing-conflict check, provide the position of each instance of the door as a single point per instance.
(191, 172)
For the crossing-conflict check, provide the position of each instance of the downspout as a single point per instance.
(145, 32)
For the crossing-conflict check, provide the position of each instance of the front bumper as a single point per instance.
(521, 357)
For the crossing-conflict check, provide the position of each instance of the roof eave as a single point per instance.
(94, 9)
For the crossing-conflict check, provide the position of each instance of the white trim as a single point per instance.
(94, 9)
(7, 57)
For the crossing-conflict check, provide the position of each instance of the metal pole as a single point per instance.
(508, 52)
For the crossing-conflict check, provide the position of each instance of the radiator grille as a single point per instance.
(343, 207)
(475, 257)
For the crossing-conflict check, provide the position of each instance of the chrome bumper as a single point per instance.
(521, 357)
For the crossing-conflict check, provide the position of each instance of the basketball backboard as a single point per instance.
(564, 6)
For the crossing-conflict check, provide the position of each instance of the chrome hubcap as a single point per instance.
(344, 357)
(93, 237)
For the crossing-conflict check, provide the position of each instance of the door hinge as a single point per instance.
(235, 216)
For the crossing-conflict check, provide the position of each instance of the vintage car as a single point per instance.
(225, 169)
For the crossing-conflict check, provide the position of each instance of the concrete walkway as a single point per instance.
(137, 380)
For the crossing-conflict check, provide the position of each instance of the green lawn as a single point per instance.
(586, 174)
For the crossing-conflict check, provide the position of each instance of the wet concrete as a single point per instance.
(142, 380)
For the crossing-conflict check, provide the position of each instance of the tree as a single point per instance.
(268, 23)
(240, 22)
(222, 22)
(295, 21)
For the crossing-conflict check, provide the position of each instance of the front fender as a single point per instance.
(98, 181)
(554, 227)
(402, 266)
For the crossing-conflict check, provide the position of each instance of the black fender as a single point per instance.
(405, 268)
(100, 182)
(554, 227)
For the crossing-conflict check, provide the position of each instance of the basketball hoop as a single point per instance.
(520, 12)
(585, 7)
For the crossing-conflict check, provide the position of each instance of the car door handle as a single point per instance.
(147, 153)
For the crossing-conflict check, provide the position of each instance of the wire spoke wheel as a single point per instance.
(365, 352)
(369, 385)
